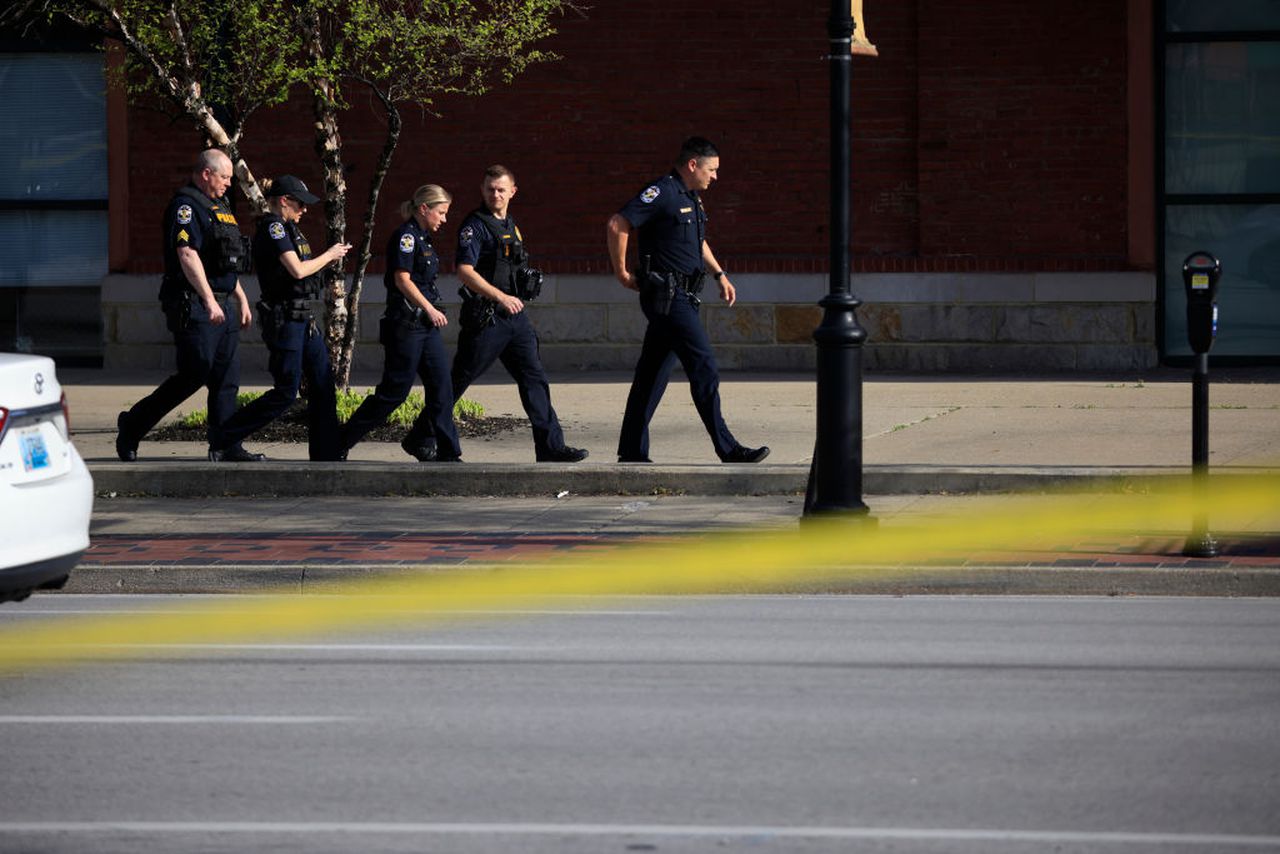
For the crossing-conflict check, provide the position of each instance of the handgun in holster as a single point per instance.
(658, 288)
(177, 309)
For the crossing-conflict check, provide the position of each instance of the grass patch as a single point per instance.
(348, 402)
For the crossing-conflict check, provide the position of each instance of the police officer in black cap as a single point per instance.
(204, 306)
(673, 260)
(410, 334)
(497, 281)
(289, 279)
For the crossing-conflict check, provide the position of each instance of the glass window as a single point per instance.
(53, 169)
(1246, 239)
(53, 127)
(1185, 16)
(56, 247)
(1222, 127)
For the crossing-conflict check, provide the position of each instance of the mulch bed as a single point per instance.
(292, 427)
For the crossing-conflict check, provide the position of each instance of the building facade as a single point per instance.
(1027, 178)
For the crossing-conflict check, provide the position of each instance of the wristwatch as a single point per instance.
(718, 275)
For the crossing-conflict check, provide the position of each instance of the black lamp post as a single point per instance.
(835, 476)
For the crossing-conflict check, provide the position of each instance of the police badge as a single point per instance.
(649, 195)
(406, 243)
(184, 214)
(276, 230)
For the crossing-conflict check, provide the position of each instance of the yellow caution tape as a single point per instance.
(826, 549)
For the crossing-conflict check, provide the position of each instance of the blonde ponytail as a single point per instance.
(429, 195)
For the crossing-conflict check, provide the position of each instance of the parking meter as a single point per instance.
(1200, 274)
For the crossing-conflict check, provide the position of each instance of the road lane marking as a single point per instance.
(666, 831)
(173, 719)
(323, 647)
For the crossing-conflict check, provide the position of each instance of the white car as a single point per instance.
(46, 493)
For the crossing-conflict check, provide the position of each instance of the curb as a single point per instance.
(199, 479)
(968, 581)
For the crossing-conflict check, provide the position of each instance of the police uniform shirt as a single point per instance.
(410, 249)
(672, 225)
(274, 238)
(189, 223)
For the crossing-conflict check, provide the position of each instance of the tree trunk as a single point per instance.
(342, 375)
(328, 145)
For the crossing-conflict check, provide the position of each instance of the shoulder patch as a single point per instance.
(650, 194)
(184, 214)
(183, 237)
(406, 243)
(466, 234)
(276, 230)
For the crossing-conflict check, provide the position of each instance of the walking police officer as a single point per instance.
(411, 339)
(673, 260)
(204, 305)
(497, 282)
(289, 279)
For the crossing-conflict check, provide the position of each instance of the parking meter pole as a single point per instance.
(1201, 272)
(835, 477)
(1200, 543)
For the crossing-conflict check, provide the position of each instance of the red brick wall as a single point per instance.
(988, 135)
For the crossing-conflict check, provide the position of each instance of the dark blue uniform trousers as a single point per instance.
(297, 349)
(411, 350)
(513, 341)
(678, 335)
(207, 356)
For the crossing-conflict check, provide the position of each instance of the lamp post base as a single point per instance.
(1200, 545)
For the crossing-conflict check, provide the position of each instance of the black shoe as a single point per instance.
(448, 458)
(422, 453)
(126, 449)
(236, 454)
(563, 455)
(631, 459)
(743, 454)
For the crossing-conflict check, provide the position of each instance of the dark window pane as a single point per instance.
(53, 127)
(1222, 127)
(52, 247)
(1186, 16)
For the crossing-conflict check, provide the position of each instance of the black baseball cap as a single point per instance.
(289, 185)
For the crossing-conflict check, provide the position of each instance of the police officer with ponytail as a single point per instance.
(497, 281)
(411, 338)
(205, 307)
(290, 281)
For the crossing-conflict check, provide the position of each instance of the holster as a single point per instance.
(659, 289)
(271, 316)
(177, 311)
(477, 314)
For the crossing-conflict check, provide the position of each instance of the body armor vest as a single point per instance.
(225, 249)
(499, 268)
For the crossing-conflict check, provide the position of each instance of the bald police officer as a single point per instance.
(673, 259)
(205, 308)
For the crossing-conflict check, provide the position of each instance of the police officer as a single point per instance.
(673, 260)
(204, 306)
(410, 334)
(497, 280)
(289, 279)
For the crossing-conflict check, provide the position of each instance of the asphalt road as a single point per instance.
(779, 724)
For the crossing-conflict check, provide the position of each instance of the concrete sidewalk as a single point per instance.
(922, 434)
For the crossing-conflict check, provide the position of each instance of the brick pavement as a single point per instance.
(396, 549)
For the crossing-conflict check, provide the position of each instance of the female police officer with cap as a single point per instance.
(287, 275)
(410, 334)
